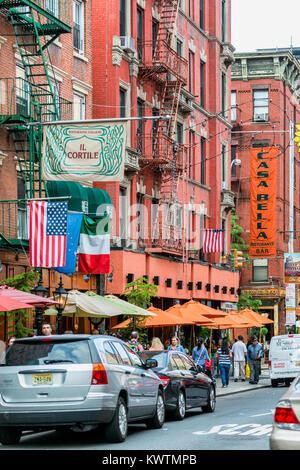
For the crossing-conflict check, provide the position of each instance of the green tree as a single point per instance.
(24, 282)
(139, 292)
(246, 301)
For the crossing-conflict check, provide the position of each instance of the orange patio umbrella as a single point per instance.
(195, 307)
(189, 316)
(251, 315)
(162, 318)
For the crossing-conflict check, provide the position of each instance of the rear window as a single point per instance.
(161, 357)
(39, 353)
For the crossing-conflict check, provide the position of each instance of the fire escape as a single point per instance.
(160, 63)
(35, 97)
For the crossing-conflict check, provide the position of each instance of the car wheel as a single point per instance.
(159, 418)
(116, 430)
(179, 412)
(287, 382)
(211, 401)
(274, 382)
(9, 436)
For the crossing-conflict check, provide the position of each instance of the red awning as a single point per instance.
(21, 296)
(8, 304)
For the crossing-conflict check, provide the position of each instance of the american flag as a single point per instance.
(213, 241)
(48, 233)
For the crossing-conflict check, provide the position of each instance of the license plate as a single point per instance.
(297, 363)
(42, 379)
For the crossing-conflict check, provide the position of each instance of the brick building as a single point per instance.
(168, 58)
(61, 88)
(265, 108)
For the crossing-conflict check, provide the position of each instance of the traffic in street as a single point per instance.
(241, 421)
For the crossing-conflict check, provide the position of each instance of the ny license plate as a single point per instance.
(42, 379)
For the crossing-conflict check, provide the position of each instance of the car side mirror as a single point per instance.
(151, 363)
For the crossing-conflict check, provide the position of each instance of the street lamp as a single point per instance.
(60, 295)
(41, 291)
(235, 161)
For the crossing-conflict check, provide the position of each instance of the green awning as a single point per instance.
(91, 201)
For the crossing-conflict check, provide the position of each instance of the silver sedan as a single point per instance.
(286, 427)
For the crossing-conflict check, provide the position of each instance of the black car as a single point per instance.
(185, 385)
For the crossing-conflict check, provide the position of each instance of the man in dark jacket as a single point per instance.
(255, 353)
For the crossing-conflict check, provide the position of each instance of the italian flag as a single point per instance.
(94, 246)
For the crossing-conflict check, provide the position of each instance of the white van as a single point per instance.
(284, 358)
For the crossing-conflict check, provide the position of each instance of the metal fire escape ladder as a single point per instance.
(35, 28)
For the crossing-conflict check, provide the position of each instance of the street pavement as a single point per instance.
(238, 387)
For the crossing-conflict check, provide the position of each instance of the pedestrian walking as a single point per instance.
(200, 354)
(224, 355)
(175, 345)
(255, 353)
(133, 343)
(239, 351)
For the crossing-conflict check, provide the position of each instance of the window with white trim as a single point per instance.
(52, 7)
(78, 25)
(78, 107)
(260, 270)
(261, 105)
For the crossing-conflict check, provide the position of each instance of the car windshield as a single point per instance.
(160, 356)
(40, 352)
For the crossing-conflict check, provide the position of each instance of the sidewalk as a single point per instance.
(238, 387)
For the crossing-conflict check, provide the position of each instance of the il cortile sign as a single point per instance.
(80, 152)
(263, 183)
(265, 292)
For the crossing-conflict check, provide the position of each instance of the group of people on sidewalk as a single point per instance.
(242, 355)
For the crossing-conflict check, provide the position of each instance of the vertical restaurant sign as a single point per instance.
(263, 183)
(81, 152)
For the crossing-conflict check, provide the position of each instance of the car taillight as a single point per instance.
(165, 380)
(270, 364)
(99, 376)
(285, 417)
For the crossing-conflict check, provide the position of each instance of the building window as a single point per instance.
(154, 220)
(179, 133)
(78, 26)
(233, 157)
(154, 35)
(260, 270)
(201, 19)
(179, 47)
(140, 125)
(122, 103)
(260, 105)
(22, 92)
(78, 107)
(140, 32)
(223, 167)
(223, 94)
(140, 217)
(191, 155)
(123, 17)
(54, 100)
(202, 178)
(202, 84)
(233, 106)
(223, 21)
(123, 216)
(23, 210)
(52, 7)
(191, 72)
(155, 112)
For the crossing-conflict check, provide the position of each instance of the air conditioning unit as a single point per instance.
(261, 117)
(224, 185)
(127, 43)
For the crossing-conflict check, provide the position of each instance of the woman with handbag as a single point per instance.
(200, 356)
(224, 355)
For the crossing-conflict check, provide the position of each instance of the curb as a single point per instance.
(234, 392)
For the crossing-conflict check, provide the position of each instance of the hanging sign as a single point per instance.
(292, 268)
(290, 304)
(81, 152)
(263, 182)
